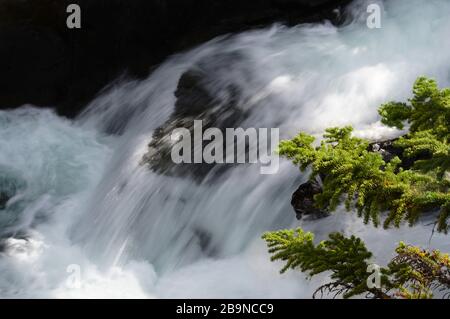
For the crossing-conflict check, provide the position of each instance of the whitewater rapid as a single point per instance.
(83, 201)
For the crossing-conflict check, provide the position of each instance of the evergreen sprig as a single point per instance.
(346, 258)
(413, 272)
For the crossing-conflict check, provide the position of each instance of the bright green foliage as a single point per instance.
(416, 273)
(425, 144)
(428, 110)
(394, 114)
(346, 258)
(412, 273)
(428, 114)
(364, 181)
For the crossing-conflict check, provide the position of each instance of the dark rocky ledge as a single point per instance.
(45, 64)
(196, 99)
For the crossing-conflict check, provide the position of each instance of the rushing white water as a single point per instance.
(81, 197)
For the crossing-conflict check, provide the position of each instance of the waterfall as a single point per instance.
(80, 195)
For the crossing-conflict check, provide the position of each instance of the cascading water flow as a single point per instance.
(77, 193)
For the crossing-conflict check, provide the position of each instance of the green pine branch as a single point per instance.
(412, 273)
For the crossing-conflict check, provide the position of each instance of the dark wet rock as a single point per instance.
(44, 63)
(303, 200)
(4, 198)
(198, 98)
(205, 241)
(9, 186)
(5, 242)
(388, 150)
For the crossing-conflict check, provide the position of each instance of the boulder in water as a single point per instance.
(198, 98)
(303, 200)
(3, 199)
(388, 150)
(9, 186)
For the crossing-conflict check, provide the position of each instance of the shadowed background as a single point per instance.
(44, 63)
